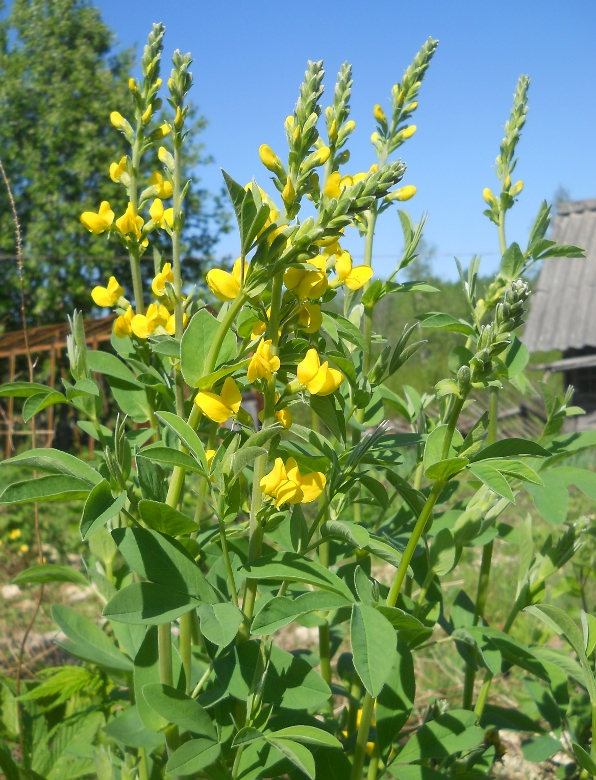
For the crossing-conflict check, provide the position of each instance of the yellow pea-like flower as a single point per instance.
(209, 454)
(318, 378)
(143, 325)
(122, 324)
(163, 186)
(158, 285)
(100, 222)
(404, 193)
(408, 132)
(130, 222)
(284, 416)
(263, 363)
(322, 155)
(160, 216)
(226, 286)
(118, 120)
(353, 278)
(310, 317)
(332, 187)
(269, 159)
(289, 193)
(488, 196)
(107, 296)
(285, 483)
(222, 407)
(379, 114)
(170, 325)
(516, 189)
(258, 329)
(118, 169)
(308, 284)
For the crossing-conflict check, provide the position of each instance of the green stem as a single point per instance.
(493, 414)
(202, 681)
(143, 766)
(453, 418)
(483, 695)
(226, 555)
(430, 575)
(373, 767)
(362, 737)
(133, 194)
(502, 240)
(176, 235)
(164, 644)
(324, 638)
(185, 646)
(593, 745)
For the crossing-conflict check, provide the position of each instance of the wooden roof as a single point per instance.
(48, 337)
(563, 304)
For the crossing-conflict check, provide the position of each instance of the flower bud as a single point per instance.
(464, 379)
(118, 120)
(132, 84)
(408, 132)
(289, 193)
(349, 127)
(404, 193)
(178, 119)
(146, 115)
(269, 159)
(322, 155)
(488, 196)
(333, 131)
(374, 137)
(517, 188)
(165, 157)
(379, 114)
(411, 106)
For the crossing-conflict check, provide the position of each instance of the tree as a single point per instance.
(59, 81)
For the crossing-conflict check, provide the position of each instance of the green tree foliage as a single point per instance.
(59, 81)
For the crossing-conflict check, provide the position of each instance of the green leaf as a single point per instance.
(172, 457)
(247, 735)
(244, 457)
(100, 507)
(324, 407)
(186, 434)
(106, 363)
(196, 343)
(87, 641)
(309, 735)
(281, 610)
(433, 449)
(165, 519)
(129, 730)
(450, 733)
(297, 754)
(163, 560)
(146, 673)
(396, 699)
(220, 622)
(37, 403)
(295, 568)
(178, 708)
(440, 321)
(512, 262)
(538, 749)
(50, 572)
(584, 759)
(400, 620)
(493, 478)
(374, 647)
(210, 379)
(151, 479)
(347, 330)
(516, 358)
(376, 488)
(516, 469)
(52, 488)
(551, 498)
(54, 461)
(148, 604)
(349, 532)
(443, 553)
(445, 470)
(22, 389)
(512, 448)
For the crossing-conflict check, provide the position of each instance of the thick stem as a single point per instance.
(373, 767)
(493, 414)
(593, 745)
(185, 646)
(164, 645)
(362, 737)
(226, 554)
(143, 766)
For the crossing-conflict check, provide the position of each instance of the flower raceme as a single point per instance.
(318, 378)
(107, 296)
(263, 363)
(100, 222)
(226, 286)
(222, 407)
(285, 484)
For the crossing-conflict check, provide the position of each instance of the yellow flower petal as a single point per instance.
(308, 367)
(209, 454)
(213, 407)
(358, 277)
(141, 327)
(312, 485)
(317, 383)
(222, 284)
(284, 416)
(293, 277)
(231, 395)
(276, 476)
(288, 492)
(333, 380)
(343, 265)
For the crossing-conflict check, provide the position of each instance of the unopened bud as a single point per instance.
(118, 120)
(379, 114)
(158, 83)
(464, 379)
(333, 131)
(178, 119)
(488, 196)
(289, 193)
(322, 155)
(411, 106)
(132, 84)
(146, 115)
(269, 159)
(349, 126)
(517, 188)
(408, 132)
(404, 193)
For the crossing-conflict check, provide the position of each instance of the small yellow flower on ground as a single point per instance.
(285, 483)
(226, 286)
(100, 222)
(263, 363)
(118, 169)
(130, 222)
(318, 378)
(353, 278)
(158, 285)
(162, 185)
(143, 325)
(222, 407)
(122, 325)
(14, 534)
(107, 296)
(310, 318)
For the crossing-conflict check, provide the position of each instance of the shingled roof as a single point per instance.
(563, 304)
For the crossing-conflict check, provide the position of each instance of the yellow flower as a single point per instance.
(488, 196)
(107, 296)
(332, 188)
(408, 132)
(379, 114)
(404, 193)
(310, 318)
(321, 155)
(130, 222)
(353, 278)
(516, 189)
(263, 363)
(24, 548)
(220, 408)
(258, 329)
(144, 324)
(14, 534)
(284, 416)
(118, 120)
(285, 483)
(170, 325)
(122, 325)
(209, 454)
(160, 216)
(308, 284)
(316, 378)
(226, 286)
(162, 185)
(289, 193)
(158, 285)
(269, 159)
(118, 169)
(100, 222)
(349, 126)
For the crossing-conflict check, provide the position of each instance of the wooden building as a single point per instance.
(563, 307)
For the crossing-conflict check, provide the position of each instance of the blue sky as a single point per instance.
(249, 58)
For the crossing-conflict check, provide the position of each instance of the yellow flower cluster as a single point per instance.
(285, 484)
